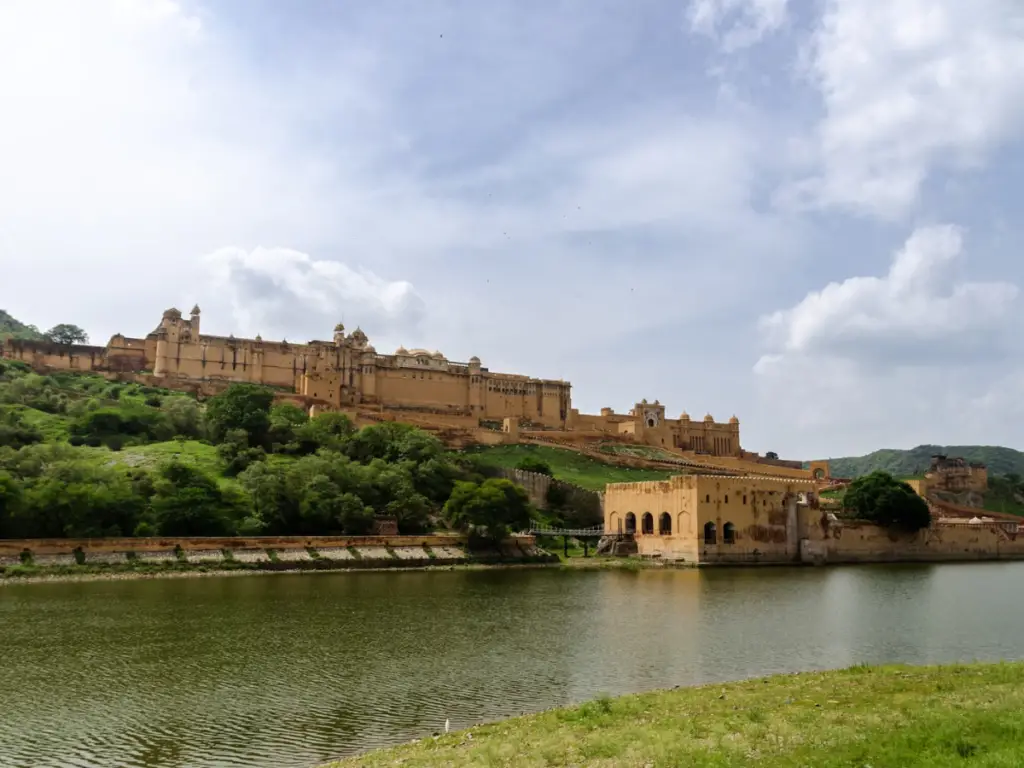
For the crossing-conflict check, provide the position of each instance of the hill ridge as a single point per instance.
(1000, 460)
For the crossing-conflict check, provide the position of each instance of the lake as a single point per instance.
(292, 670)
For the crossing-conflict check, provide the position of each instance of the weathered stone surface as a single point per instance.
(250, 556)
(410, 553)
(156, 557)
(292, 555)
(204, 556)
(111, 558)
(374, 553)
(335, 553)
(54, 560)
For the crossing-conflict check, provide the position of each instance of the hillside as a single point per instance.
(566, 465)
(908, 463)
(10, 328)
(83, 457)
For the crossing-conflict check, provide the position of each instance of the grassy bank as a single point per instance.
(885, 717)
(566, 465)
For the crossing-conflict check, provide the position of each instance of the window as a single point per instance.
(707, 498)
(647, 524)
(727, 498)
(710, 535)
(630, 522)
(744, 498)
(729, 533)
(665, 524)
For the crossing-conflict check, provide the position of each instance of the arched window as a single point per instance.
(647, 524)
(710, 535)
(665, 524)
(744, 498)
(727, 498)
(729, 533)
(630, 522)
(707, 498)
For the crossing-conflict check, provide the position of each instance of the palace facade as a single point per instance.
(347, 372)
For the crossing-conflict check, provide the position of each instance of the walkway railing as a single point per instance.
(547, 530)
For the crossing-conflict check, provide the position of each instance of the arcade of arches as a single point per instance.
(709, 518)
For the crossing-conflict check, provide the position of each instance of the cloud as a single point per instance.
(892, 360)
(736, 24)
(916, 314)
(282, 293)
(909, 87)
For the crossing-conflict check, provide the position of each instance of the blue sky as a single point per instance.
(803, 213)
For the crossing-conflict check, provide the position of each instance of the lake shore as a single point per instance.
(879, 716)
(75, 573)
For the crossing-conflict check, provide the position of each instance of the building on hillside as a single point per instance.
(711, 518)
(347, 372)
(646, 423)
(955, 475)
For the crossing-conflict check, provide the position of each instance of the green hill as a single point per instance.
(10, 328)
(908, 463)
(566, 465)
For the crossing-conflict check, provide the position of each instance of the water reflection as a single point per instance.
(293, 670)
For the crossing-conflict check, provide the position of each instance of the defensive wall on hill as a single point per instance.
(538, 488)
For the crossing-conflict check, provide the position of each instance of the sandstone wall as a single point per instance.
(585, 504)
(856, 542)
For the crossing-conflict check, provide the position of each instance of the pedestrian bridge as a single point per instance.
(580, 533)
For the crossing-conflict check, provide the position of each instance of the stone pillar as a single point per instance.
(792, 528)
(160, 364)
(257, 365)
(476, 384)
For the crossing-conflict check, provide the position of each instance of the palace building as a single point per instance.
(348, 373)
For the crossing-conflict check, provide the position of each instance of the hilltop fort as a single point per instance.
(416, 385)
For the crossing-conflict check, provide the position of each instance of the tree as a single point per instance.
(494, 506)
(886, 501)
(533, 464)
(187, 502)
(240, 406)
(67, 334)
(771, 455)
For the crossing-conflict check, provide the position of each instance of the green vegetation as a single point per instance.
(863, 716)
(533, 464)
(565, 465)
(1000, 461)
(1005, 494)
(886, 501)
(62, 333)
(82, 456)
(14, 329)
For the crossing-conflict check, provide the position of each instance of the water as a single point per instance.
(293, 670)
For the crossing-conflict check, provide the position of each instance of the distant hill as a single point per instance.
(999, 460)
(11, 328)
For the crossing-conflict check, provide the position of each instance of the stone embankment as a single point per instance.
(262, 553)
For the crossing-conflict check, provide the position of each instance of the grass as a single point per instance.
(567, 465)
(884, 717)
(53, 426)
(1006, 505)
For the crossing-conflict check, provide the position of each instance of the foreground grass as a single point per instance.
(567, 465)
(882, 717)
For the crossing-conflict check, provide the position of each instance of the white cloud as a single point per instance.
(910, 86)
(915, 312)
(895, 360)
(736, 24)
(282, 293)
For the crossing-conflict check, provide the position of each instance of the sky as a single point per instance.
(806, 213)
